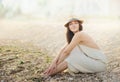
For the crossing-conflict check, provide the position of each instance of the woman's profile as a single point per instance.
(80, 54)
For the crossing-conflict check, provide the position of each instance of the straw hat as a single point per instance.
(73, 19)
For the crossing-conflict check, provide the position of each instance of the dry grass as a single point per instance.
(19, 63)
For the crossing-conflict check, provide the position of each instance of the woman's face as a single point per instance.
(74, 26)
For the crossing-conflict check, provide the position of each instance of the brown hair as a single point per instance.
(70, 34)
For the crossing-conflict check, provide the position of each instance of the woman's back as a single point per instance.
(88, 41)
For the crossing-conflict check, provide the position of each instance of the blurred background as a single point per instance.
(59, 9)
(41, 22)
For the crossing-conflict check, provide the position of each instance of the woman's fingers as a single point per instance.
(52, 70)
(46, 71)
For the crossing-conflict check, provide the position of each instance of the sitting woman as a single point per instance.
(81, 54)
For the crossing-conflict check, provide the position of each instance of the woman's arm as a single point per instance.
(55, 61)
(58, 56)
(74, 42)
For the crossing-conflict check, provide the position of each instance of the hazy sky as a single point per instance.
(63, 7)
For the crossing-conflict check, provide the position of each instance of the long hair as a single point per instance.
(70, 34)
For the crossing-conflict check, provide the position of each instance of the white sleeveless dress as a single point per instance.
(87, 60)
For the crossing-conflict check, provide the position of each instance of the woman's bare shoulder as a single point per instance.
(83, 34)
(80, 36)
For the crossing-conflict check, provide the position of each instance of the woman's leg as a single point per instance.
(62, 66)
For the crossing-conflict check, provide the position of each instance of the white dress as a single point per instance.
(87, 60)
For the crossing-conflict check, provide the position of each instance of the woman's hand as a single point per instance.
(51, 69)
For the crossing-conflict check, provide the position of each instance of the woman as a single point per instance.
(81, 54)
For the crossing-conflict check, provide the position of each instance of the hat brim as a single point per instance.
(67, 24)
